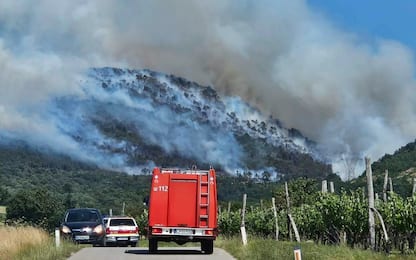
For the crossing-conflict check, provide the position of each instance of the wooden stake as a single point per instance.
(331, 187)
(291, 223)
(380, 218)
(295, 229)
(288, 211)
(287, 197)
(243, 225)
(391, 185)
(324, 186)
(275, 219)
(386, 178)
(371, 220)
(414, 187)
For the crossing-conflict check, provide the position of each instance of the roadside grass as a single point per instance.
(29, 243)
(24, 243)
(259, 248)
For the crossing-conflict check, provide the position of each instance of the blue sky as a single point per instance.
(372, 19)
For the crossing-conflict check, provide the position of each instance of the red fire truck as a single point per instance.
(183, 207)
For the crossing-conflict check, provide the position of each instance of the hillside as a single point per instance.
(81, 184)
(88, 186)
(401, 166)
(126, 120)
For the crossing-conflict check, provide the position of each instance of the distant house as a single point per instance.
(2, 214)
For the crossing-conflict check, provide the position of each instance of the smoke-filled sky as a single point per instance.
(353, 94)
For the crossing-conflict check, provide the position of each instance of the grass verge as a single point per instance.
(258, 248)
(24, 243)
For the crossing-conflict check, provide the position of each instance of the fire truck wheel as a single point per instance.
(207, 246)
(152, 245)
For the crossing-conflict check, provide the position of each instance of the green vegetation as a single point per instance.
(37, 188)
(334, 220)
(260, 248)
(401, 166)
(37, 207)
(35, 182)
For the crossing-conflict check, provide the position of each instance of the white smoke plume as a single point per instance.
(353, 97)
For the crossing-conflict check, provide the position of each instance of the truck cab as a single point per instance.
(183, 207)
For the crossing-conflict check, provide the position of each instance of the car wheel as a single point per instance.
(134, 244)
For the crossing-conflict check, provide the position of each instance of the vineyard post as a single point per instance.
(229, 207)
(275, 218)
(289, 230)
(386, 178)
(331, 187)
(391, 185)
(243, 225)
(324, 186)
(414, 187)
(371, 221)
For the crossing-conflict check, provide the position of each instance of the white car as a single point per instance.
(121, 231)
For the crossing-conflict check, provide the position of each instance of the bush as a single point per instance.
(37, 207)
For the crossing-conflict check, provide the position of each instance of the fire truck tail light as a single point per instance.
(156, 230)
(209, 232)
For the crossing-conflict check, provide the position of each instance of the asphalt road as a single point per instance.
(169, 253)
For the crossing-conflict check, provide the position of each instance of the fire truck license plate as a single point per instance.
(183, 231)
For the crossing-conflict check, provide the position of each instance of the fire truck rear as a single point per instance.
(183, 208)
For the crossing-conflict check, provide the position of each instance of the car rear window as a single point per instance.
(122, 222)
(82, 216)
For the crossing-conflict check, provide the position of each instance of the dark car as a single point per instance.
(84, 225)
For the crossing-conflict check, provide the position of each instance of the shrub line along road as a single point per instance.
(169, 253)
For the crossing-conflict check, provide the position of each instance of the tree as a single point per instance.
(69, 202)
(301, 191)
(37, 207)
(4, 196)
(266, 176)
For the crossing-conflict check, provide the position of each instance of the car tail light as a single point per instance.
(156, 230)
(136, 230)
(107, 231)
(209, 232)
